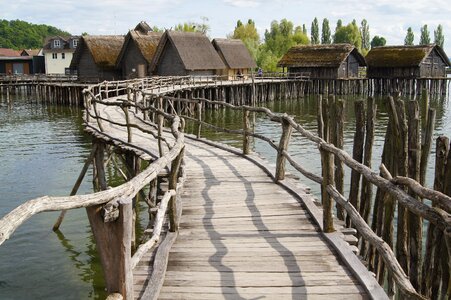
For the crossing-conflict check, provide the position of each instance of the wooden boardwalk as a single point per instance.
(241, 235)
(244, 237)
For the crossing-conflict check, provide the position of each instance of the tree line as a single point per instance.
(283, 35)
(17, 34)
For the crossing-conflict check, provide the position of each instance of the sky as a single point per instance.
(387, 18)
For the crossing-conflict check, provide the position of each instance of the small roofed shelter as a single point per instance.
(332, 61)
(236, 57)
(424, 61)
(95, 58)
(137, 53)
(185, 53)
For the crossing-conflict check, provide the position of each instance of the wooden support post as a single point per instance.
(319, 116)
(77, 184)
(199, 119)
(127, 121)
(113, 239)
(327, 166)
(160, 127)
(283, 146)
(173, 179)
(339, 169)
(357, 154)
(246, 129)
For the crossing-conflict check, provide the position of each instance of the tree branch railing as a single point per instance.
(440, 218)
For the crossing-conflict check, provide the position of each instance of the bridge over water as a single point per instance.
(224, 224)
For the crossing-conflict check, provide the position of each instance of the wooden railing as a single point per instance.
(438, 215)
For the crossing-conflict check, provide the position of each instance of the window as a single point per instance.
(56, 43)
(75, 43)
(54, 55)
(63, 55)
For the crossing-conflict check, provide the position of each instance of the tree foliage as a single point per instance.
(325, 32)
(17, 34)
(424, 37)
(408, 41)
(248, 34)
(194, 26)
(365, 35)
(314, 32)
(378, 41)
(439, 38)
(349, 34)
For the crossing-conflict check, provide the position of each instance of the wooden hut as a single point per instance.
(334, 61)
(236, 57)
(137, 53)
(425, 61)
(96, 56)
(185, 53)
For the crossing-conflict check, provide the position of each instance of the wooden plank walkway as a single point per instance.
(241, 235)
(244, 237)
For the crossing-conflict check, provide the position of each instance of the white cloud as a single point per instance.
(243, 3)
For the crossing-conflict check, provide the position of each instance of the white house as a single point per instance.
(58, 53)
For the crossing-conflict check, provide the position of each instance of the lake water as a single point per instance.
(42, 151)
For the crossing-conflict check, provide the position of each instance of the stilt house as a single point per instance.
(185, 53)
(236, 57)
(96, 56)
(138, 51)
(334, 61)
(425, 61)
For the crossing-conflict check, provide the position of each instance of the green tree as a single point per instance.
(408, 41)
(304, 29)
(378, 41)
(248, 34)
(17, 34)
(314, 32)
(193, 26)
(365, 35)
(439, 38)
(424, 37)
(325, 32)
(349, 34)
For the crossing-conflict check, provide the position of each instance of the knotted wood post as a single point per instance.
(127, 122)
(160, 126)
(246, 129)
(173, 179)
(199, 118)
(112, 235)
(327, 166)
(339, 140)
(283, 146)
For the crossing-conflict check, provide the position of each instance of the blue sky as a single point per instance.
(389, 18)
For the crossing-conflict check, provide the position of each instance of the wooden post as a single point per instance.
(113, 239)
(246, 129)
(327, 166)
(199, 119)
(357, 154)
(173, 179)
(283, 146)
(160, 127)
(339, 170)
(319, 116)
(127, 122)
(427, 135)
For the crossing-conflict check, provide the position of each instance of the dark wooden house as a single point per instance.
(425, 61)
(21, 62)
(95, 58)
(334, 61)
(236, 57)
(137, 53)
(185, 53)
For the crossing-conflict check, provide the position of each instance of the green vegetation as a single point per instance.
(349, 34)
(365, 34)
(249, 35)
(439, 38)
(424, 38)
(408, 41)
(18, 34)
(326, 37)
(314, 36)
(378, 41)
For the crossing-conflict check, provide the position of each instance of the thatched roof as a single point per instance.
(143, 27)
(319, 56)
(194, 49)
(402, 56)
(147, 44)
(234, 53)
(104, 49)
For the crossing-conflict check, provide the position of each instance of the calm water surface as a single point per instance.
(42, 152)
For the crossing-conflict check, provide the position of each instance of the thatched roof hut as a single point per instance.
(407, 62)
(137, 53)
(95, 57)
(324, 61)
(235, 56)
(185, 53)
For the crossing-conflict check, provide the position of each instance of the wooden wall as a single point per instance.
(133, 59)
(170, 63)
(88, 71)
